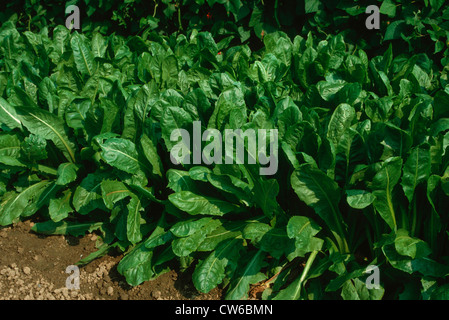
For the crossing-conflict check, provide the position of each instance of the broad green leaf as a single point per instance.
(10, 147)
(138, 106)
(312, 6)
(65, 227)
(174, 118)
(186, 245)
(410, 246)
(199, 173)
(339, 281)
(355, 289)
(122, 154)
(49, 126)
(145, 192)
(388, 7)
(211, 271)
(321, 193)
(226, 184)
(133, 220)
(207, 42)
(416, 170)
(136, 266)
(265, 193)
(84, 59)
(87, 196)
(197, 103)
(440, 293)
(34, 148)
(169, 70)
(436, 4)
(189, 227)
(228, 230)
(13, 205)
(159, 236)
(290, 155)
(395, 30)
(150, 152)
(197, 204)
(329, 89)
(99, 45)
(230, 108)
(382, 188)
(111, 113)
(59, 208)
(76, 113)
(359, 199)
(113, 191)
(424, 265)
(179, 180)
(44, 199)
(302, 229)
(67, 173)
(289, 122)
(280, 45)
(340, 121)
(60, 35)
(8, 115)
(20, 97)
(250, 274)
(263, 236)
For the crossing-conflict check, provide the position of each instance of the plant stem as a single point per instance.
(179, 17)
(297, 291)
(155, 8)
(276, 13)
(308, 266)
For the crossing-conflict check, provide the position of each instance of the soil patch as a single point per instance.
(33, 267)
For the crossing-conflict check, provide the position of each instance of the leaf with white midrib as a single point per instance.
(84, 59)
(12, 207)
(8, 116)
(382, 188)
(133, 221)
(126, 160)
(203, 277)
(416, 170)
(37, 121)
(321, 193)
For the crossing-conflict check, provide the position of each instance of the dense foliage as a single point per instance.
(86, 118)
(418, 26)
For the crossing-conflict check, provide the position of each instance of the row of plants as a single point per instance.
(420, 26)
(363, 174)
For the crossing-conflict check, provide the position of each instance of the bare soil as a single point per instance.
(33, 267)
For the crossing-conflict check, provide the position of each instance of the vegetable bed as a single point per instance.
(362, 126)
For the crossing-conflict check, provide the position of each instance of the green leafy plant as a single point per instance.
(419, 26)
(86, 121)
